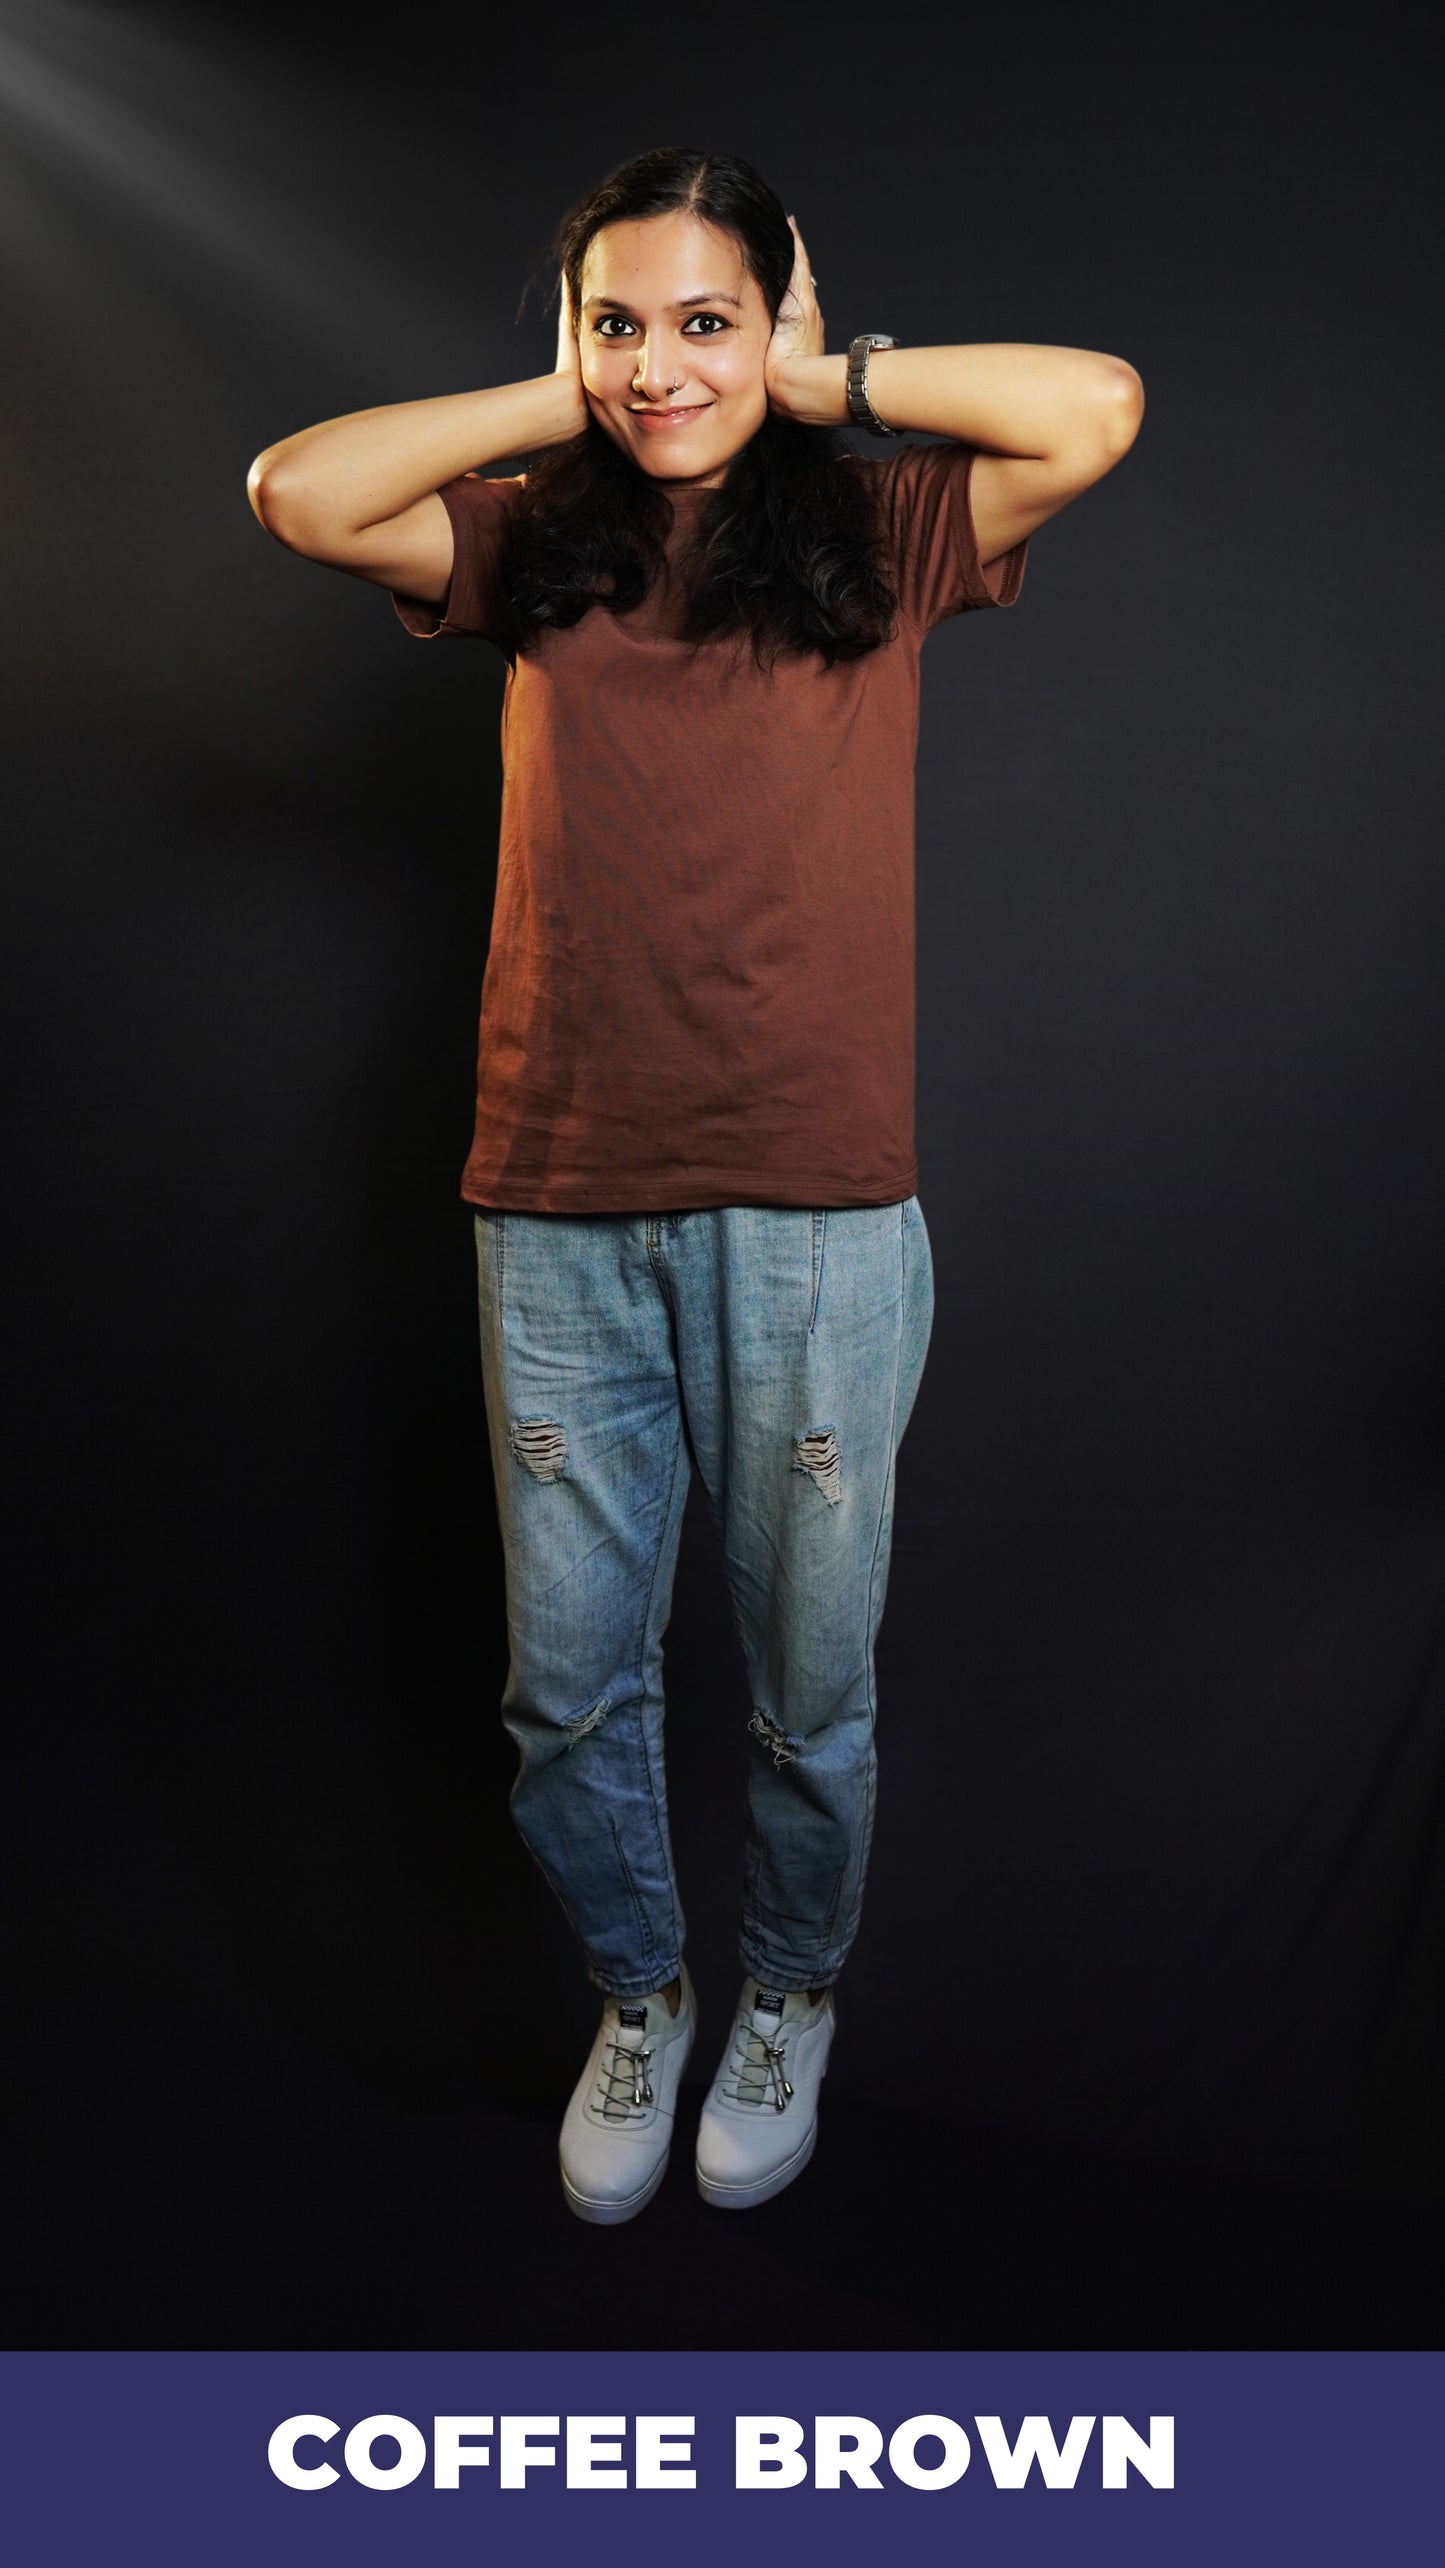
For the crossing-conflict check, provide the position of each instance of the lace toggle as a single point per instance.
(762, 2072)
(624, 2085)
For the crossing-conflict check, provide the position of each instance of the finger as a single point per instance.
(804, 283)
(567, 353)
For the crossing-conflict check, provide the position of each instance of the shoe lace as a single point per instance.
(760, 2069)
(623, 2082)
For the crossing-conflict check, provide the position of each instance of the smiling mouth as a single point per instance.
(680, 410)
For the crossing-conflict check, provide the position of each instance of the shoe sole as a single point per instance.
(606, 2215)
(745, 2197)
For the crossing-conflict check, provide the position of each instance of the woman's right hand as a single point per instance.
(569, 355)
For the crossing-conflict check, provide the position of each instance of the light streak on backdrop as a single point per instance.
(116, 116)
(205, 241)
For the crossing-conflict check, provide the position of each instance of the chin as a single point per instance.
(682, 467)
(662, 460)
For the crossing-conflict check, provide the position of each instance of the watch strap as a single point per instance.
(860, 409)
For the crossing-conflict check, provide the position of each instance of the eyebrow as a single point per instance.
(614, 303)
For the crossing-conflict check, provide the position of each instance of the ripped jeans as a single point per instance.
(780, 1353)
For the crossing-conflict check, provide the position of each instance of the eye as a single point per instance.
(712, 321)
(604, 326)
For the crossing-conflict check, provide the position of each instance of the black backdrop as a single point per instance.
(1141, 2041)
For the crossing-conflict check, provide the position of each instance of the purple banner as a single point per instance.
(301, 2460)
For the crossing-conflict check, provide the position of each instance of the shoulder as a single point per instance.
(926, 525)
(484, 495)
(916, 478)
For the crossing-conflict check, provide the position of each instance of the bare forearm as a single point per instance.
(347, 474)
(1010, 399)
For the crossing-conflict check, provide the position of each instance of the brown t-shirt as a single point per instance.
(700, 983)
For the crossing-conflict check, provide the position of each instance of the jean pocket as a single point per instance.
(489, 1229)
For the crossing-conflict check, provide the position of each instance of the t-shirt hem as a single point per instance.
(816, 1194)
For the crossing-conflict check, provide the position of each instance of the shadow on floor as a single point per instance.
(211, 2210)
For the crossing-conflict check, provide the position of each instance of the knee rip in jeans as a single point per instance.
(784, 1743)
(817, 1454)
(581, 1722)
(541, 1444)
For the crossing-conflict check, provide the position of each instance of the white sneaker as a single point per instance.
(617, 2130)
(760, 2120)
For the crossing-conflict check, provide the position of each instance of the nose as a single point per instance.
(656, 373)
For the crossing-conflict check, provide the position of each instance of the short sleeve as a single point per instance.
(931, 541)
(480, 512)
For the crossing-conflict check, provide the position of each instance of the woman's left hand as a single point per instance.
(798, 329)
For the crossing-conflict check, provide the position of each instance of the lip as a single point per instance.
(673, 420)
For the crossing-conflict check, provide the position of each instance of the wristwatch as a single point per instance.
(860, 409)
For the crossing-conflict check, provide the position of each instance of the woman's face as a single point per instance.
(672, 335)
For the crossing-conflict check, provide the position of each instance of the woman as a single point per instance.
(693, 1173)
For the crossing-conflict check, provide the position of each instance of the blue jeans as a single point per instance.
(780, 1353)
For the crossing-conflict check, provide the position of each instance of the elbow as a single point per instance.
(1103, 423)
(265, 485)
(279, 500)
(1120, 403)
(260, 489)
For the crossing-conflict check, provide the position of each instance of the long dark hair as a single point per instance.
(787, 549)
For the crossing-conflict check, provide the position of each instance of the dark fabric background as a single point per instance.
(1142, 2038)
